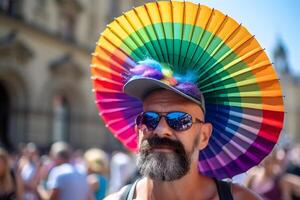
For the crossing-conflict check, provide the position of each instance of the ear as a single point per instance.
(140, 129)
(205, 134)
(137, 132)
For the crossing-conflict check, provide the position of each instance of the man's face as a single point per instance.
(166, 154)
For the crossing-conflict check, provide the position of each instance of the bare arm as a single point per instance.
(54, 194)
(43, 192)
(290, 184)
(93, 182)
(90, 196)
(48, 195)
(19, 186)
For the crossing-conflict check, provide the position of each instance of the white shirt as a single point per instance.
(71, 183)
(122, 168)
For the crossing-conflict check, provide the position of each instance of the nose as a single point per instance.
(163, 129)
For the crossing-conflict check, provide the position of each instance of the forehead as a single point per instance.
(165, 100)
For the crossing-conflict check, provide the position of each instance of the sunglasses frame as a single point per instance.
(165, 115)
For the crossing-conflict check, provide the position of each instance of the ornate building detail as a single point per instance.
(14, 50)
(66, 67)
(69, 10)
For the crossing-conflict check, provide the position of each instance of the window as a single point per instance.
(4, 116)
(61, 118)
(11, 7)
(69, 11)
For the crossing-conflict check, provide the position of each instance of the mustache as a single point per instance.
(156, 141)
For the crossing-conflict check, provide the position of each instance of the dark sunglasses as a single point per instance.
(177, 120)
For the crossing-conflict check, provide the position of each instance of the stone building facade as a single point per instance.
(45, 88)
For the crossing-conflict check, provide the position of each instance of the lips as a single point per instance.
(163, 148)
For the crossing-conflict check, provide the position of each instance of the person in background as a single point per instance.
(46, 166)
(97, 168)
(291, 187)
(29, 165)
(122, 168)
(292, 173)
(271, 182)
(266, 180)
(293, 166)
(64, 181)
(10, 182)
(78, 161)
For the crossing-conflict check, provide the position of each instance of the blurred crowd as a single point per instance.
(74, 174)
(64, 172)
(278, 175)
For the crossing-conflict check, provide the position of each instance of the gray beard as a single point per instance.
(163, 166)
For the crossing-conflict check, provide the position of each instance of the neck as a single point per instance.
(191, 186)
(61, 162)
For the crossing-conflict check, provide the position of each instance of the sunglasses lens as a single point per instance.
(150, 120)
(179, 121)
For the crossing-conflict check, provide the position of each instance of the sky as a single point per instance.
(269, 20)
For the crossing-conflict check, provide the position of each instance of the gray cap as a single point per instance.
(143, 86)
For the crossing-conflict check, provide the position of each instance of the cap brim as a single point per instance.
(143, 86)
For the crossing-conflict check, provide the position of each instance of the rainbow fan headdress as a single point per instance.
(243, 98)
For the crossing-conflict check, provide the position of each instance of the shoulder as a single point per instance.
(62, 169)
(55, 171)
(116, 195)
(240, 192)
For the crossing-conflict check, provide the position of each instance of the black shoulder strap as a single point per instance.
(126, 192)
(224, 190)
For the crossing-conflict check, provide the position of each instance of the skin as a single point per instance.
(290, 184)
(193, 185)
(18, 184)
(92, 180)
(20, 187)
